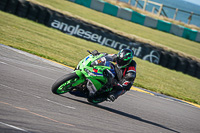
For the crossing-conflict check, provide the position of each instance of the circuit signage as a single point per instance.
(101, 36)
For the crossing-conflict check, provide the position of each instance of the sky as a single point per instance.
(194, 1)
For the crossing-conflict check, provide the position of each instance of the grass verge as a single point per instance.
(52, 44)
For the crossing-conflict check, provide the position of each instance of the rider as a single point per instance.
(126, 73)
(125, 69)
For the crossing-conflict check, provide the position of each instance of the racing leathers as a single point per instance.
(124, 79)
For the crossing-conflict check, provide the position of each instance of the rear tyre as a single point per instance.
(64, 84)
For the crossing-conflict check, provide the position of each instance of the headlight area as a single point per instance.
(89, 72)
(93, 73)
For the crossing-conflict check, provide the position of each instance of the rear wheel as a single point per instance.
(64, 84)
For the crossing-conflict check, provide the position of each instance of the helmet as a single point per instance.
(124, 57)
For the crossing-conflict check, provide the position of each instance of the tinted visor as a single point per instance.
(121, 62)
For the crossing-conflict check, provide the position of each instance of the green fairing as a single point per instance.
(90, 68)
(86, 64)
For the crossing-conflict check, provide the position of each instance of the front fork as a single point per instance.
(96, 83)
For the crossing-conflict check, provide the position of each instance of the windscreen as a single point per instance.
(102, 61)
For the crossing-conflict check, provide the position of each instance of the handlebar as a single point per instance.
(94, 53)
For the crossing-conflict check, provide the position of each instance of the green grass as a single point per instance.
(165, 39)
(52, 44)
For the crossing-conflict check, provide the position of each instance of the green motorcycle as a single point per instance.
(91, 78)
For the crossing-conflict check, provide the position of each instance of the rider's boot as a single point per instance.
(115, 94)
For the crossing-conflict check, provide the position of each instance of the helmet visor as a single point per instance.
(122, 63)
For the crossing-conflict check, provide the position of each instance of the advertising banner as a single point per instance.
(93, 33)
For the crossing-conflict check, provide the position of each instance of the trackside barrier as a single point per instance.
(138, 18)
(110, 9)
(163, 26)
(198, 37)
(150, 22)
(79, 28)
(141, 19)
(124, 13)
(177, 30)
(97, 5)
(85, 3)
(189, 34)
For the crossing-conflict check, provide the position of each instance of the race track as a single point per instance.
(27, 104)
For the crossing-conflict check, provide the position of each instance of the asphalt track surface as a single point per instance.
(27, 104)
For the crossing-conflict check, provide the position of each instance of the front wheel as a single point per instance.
(64, 84)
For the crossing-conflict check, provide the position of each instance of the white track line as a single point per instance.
(38, 97)
(59, 104)
(14, 127)
(27, 71)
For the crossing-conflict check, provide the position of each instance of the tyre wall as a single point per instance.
(81, 29)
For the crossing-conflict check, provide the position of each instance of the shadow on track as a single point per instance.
(122, 113)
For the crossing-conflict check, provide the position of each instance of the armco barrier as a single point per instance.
(141, 19)
(79, 28)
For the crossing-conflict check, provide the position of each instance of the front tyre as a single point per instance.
(64, 84)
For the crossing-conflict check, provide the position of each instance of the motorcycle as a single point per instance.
(91, 79)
